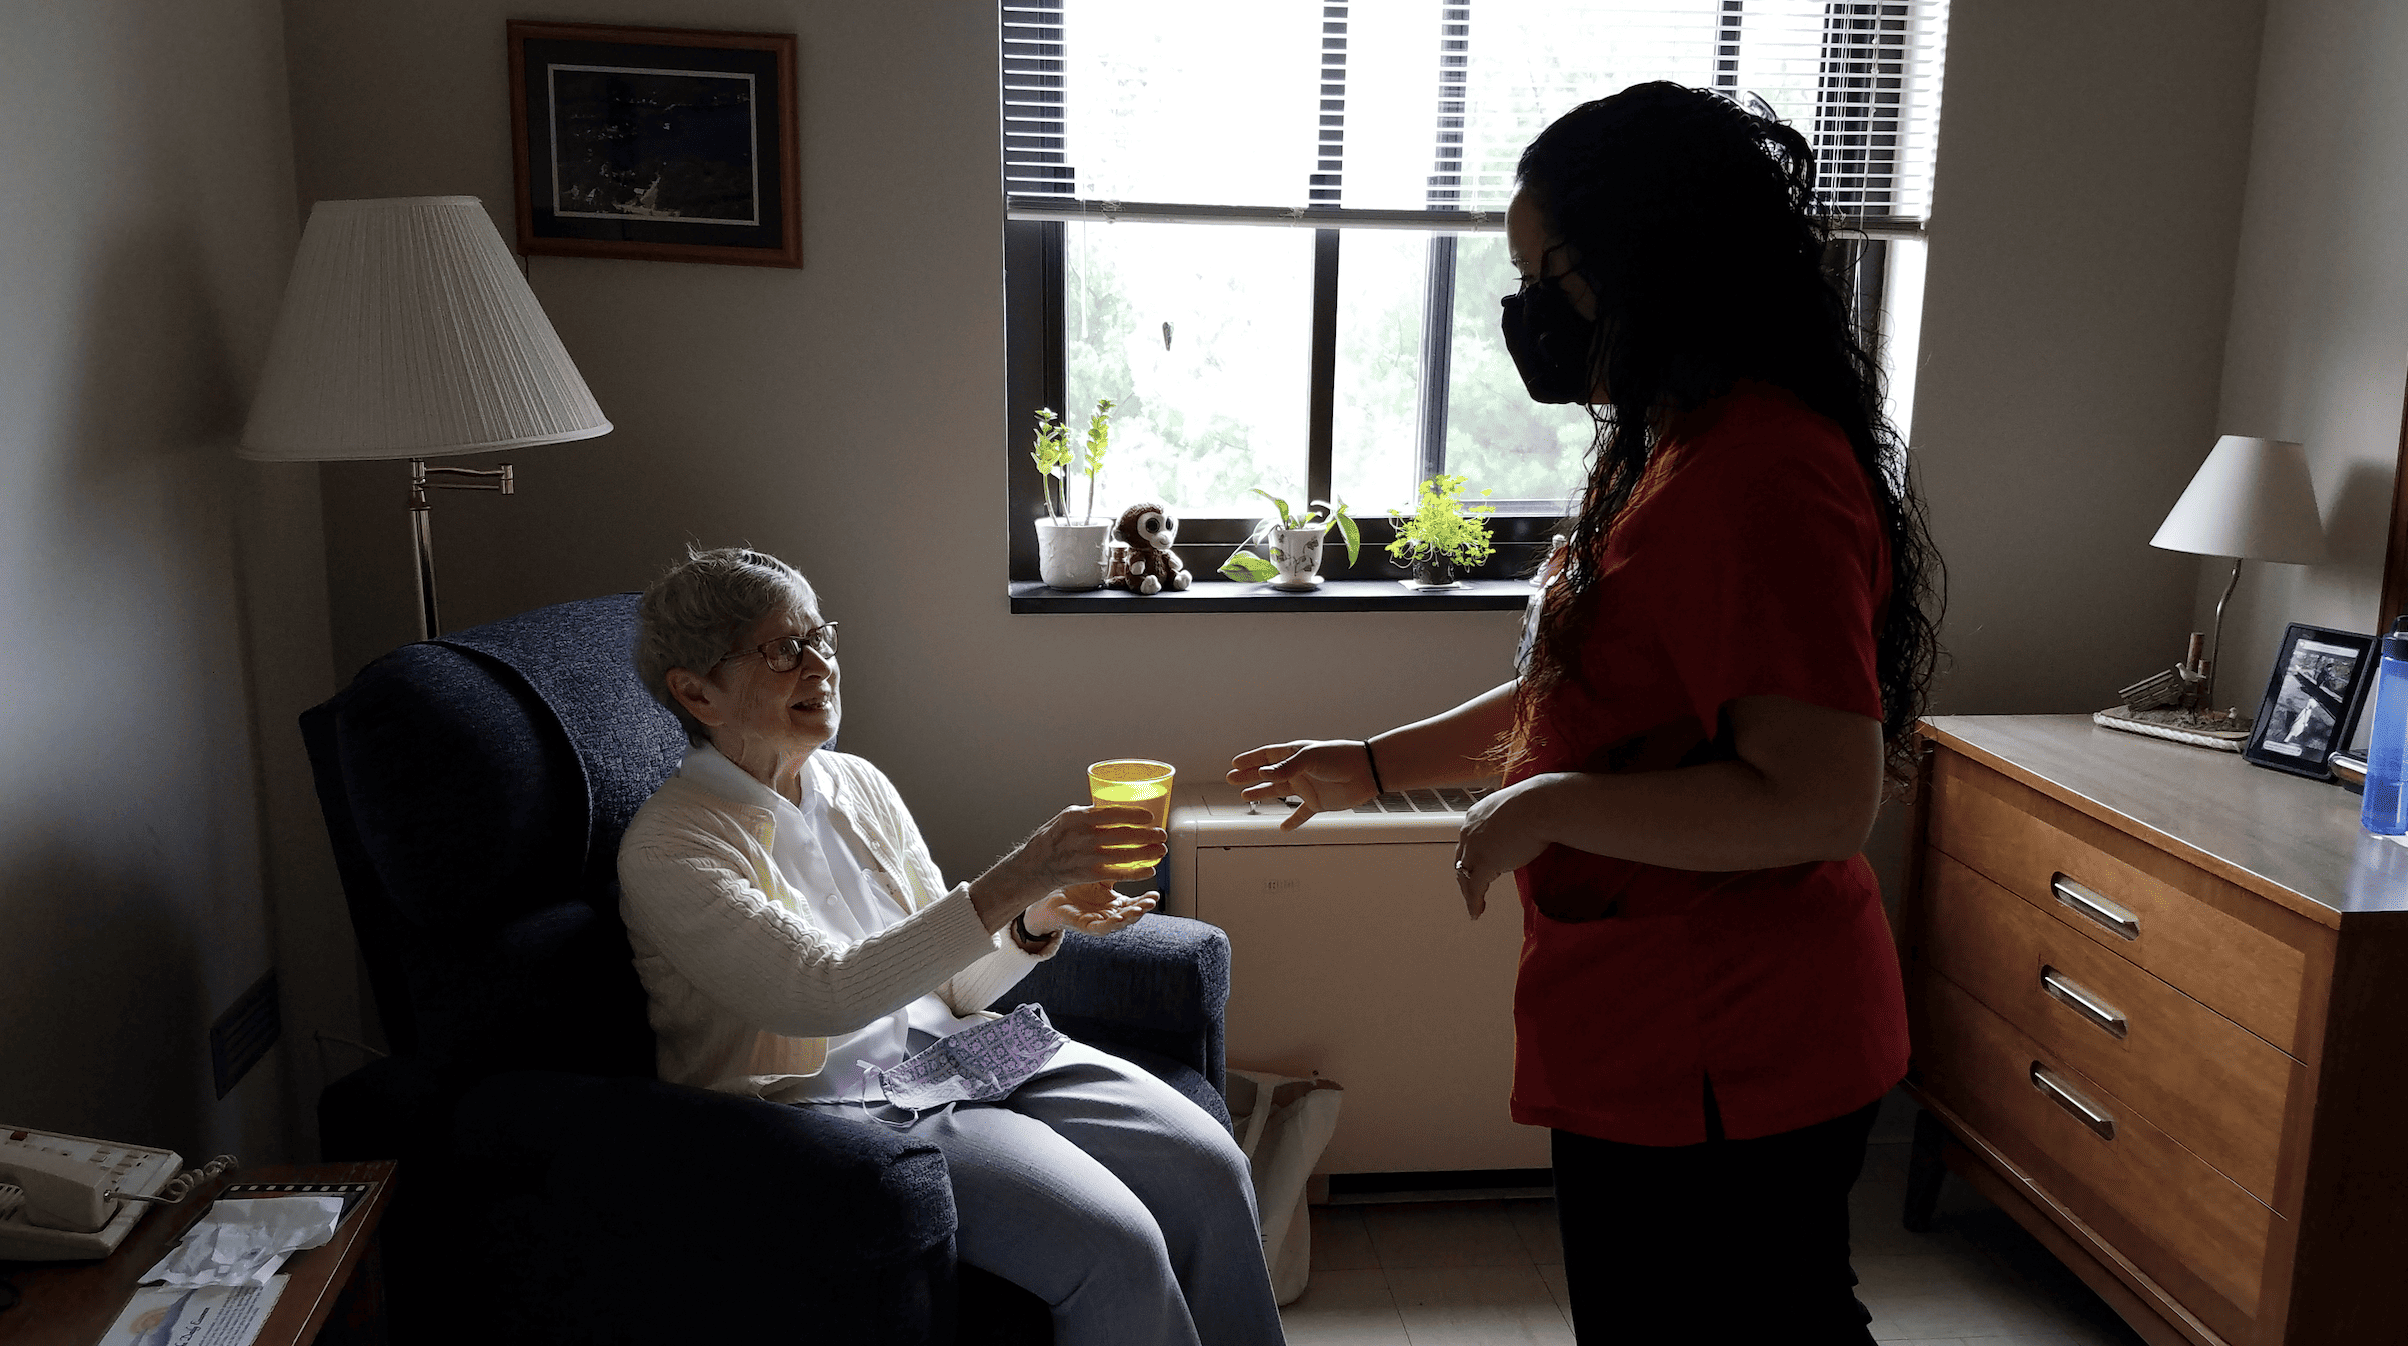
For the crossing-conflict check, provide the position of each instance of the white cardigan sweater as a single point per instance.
(745, 987)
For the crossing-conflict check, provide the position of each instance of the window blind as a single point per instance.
(1034, 163)
(1413, 114)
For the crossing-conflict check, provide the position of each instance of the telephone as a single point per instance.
(67, 1197)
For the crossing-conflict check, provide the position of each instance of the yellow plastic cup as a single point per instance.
(1134, 780)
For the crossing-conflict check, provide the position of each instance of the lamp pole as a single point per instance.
(422, 535)
(2207, 696)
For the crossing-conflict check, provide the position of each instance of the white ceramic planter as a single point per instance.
(1073, 555)
(1297, 553)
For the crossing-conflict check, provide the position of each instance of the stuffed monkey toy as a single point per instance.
(1149, 566)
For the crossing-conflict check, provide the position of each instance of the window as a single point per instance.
(1277, 242)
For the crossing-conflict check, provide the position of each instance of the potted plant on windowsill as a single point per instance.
(1294, 541)
(1072, 555)
(1442, 534)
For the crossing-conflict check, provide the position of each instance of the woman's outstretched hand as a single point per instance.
(1329, 775)
(1097, 908)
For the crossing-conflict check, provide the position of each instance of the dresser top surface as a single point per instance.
(2289, 839)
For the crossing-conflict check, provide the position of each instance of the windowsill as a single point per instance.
(1480, 595)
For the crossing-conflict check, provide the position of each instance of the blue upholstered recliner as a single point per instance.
(551, 1188)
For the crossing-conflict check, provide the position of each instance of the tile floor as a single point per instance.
(1486, 1273)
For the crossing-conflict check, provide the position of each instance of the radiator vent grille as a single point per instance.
(1423, 801)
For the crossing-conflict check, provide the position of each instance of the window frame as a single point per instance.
(1865, 48)
(1037, 375)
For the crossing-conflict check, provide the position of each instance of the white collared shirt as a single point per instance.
(847, 899)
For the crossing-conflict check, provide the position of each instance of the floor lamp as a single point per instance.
(409, 332)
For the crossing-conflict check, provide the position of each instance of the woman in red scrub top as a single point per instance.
(1715, 687)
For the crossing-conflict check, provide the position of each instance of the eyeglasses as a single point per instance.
(785, 652)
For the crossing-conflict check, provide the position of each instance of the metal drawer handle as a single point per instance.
(2113, 915)
(2072, 1102)
(2084, 1003)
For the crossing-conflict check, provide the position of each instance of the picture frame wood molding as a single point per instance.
(624, 72)
(2395, 551)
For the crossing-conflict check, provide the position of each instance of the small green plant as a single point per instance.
(1056, 460)
(1245, 565)
(1099, 439)
(1441, 526)
(1053, 461)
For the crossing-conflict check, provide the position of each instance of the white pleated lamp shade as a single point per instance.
(2252, 499)
(408, 332)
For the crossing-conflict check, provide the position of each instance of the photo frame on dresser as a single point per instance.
(655, 144)
(2312, 701)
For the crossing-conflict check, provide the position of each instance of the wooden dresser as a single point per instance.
(2160, 1010)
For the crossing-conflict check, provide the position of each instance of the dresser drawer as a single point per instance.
(2214, 1087)
(2124, 896)
(2180, 1221)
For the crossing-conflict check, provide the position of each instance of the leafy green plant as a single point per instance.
(1441, 525)
(1099, 439)
(1245, 565)
(1056, 460)
(1053, 456)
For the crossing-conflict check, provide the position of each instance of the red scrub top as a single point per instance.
(1751, 561)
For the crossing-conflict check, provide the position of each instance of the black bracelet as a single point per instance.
(1373, 758)
(1020, 932)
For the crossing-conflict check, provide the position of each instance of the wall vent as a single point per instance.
(244, 1032)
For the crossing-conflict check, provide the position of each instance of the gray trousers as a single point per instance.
(1107, 1194)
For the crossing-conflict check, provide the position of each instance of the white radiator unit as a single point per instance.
(1351, 957)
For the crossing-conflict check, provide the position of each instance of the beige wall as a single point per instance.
(846, 416)
(164, 604)
(2082, 244)
(2318, 345)
(849, 415)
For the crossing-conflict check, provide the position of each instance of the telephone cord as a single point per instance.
(180, 1186)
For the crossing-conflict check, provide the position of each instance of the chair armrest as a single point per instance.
(1161, 986)
(659, 1160)
(749, 1208)
(594, 1191)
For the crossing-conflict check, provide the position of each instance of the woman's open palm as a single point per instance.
(1329, 775)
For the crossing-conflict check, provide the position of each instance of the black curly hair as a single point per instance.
(1696, 226)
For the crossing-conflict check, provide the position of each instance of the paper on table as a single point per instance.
(197, 1315)
(243, 1242)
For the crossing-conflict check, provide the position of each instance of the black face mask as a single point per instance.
(1549, 342)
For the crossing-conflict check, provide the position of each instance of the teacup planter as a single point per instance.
(1296, 554)
(1294, 542)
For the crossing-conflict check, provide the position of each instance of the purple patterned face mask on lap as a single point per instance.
(976, 1065)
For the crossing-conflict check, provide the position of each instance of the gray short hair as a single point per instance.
(691, 617)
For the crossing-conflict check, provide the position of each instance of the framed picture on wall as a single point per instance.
(2311, 705)
(655, 144)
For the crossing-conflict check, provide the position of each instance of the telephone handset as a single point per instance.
(75, 1197)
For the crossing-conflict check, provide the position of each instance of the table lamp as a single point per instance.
(408, 332)
(2252, 500)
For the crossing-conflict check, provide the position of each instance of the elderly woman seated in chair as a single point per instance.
(798, 944)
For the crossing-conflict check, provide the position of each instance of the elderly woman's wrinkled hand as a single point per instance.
(1090, 843)
(1096, 908)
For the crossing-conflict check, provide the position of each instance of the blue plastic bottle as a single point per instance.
(2386, 810)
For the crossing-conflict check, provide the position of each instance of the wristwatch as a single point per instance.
(1021, 935)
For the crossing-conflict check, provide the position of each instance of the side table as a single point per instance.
(335, 1289)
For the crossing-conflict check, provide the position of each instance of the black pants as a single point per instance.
(1740, 1241)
